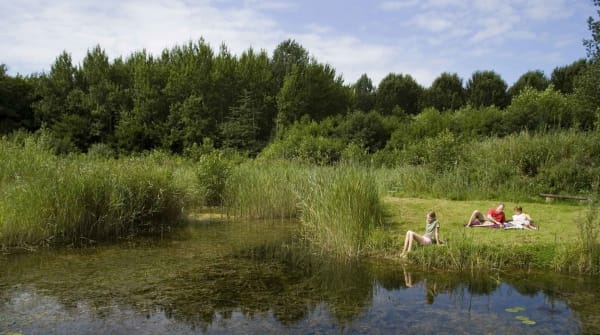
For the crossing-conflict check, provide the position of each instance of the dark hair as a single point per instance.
(519, 208)
(431, 214)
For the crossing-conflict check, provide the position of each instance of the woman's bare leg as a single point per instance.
(408, 241)
(474, 216)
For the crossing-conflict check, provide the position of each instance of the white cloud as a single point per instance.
(546, 10)
(432, 22)
(492, 27)
(40, 30)
(396, 5)
(269, 5)
(418, 37)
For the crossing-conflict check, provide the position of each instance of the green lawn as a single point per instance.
(556, 245)
(557, 220)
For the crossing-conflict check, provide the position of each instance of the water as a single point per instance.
(257, 278)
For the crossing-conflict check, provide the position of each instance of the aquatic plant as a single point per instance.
(341, 209)
(264, 190)
(80, 199)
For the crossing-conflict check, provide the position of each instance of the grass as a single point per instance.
(341, 210)
(557, 245)
(339, 207)
(260, 190)
(50, 200)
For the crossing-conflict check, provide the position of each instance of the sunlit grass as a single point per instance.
(556, 245)
(47, 200)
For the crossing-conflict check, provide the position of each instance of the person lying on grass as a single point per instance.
(520, 220)
(432, 234)
(495, 218)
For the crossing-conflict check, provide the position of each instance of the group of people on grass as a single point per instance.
(494, 218)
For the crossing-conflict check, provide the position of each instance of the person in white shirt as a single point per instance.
(521, 220)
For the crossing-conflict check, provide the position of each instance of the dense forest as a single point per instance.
(285, 105)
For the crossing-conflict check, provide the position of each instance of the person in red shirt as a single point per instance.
(495, 218)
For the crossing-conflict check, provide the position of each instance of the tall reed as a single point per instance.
(265, 190)
(340, 210)
(77, 199)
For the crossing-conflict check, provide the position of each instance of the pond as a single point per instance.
(258, 278)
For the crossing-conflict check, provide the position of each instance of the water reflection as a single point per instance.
(259, 278)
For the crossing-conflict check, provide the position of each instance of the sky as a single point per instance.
(422, 38)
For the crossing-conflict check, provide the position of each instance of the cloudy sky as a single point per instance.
(422, 38)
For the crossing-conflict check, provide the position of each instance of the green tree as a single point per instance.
(103, 98)
(592, 45)
(143, 127)
(16, 98)
(446, 93)
(397, 90)
(563, 77)
(365, 129)
(312, 90)
(426, 124)
(539, 110)
(587, 85)
(286, 55)
(62, 106)
(487, 88)
(189, 86)
(257, 83)
(190, 68)
(240, 130)
(225, 88)
(364, 93)
(587, 96)
(534, 79)
(188, 124)
(53, 90)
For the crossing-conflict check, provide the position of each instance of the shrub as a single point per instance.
(539, 110)
(212, 173)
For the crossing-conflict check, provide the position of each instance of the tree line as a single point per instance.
(191, 95)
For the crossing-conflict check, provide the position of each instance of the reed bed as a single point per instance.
(341, 209)
(47, 200)
(265, 190)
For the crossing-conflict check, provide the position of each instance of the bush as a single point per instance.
(539, 110)
(211, 175)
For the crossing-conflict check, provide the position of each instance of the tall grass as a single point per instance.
(48, 200)
(339, 207)
(265, 190)
(341, 210)
(517, 167)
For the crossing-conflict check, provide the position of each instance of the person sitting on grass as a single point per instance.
(520, 220)
(495, 218)
(432, 234)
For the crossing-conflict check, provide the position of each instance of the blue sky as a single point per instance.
(422, 38)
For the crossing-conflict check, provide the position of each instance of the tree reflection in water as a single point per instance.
(213, 276)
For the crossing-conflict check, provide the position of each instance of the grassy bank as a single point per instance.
(48, 200)
(339, 207)
(344, 212)
(344, 209)
(567, 240)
